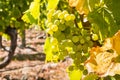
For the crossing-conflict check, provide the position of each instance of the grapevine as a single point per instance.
(74, 27)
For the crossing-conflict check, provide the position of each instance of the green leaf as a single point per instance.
(27, 17)
(113, 27)
(114, 6)
(52, 4)
(75, 74)
(16, 12)
(35, 9)
(98, 19)
(48, 49)
(91, 77)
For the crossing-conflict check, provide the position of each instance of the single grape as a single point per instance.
(88, 38)
(54, 41)
(85, 48)
(85, 72)
(67, 17)
(49, 24)
(79, 47)
(75, 39)
(71, 68)
(94, 37)
(82, 41)
(72, 16)
(54, 28)
(54, 48)
(57, 22)
(49, 31)
(78, 55)
(62, 21)
(90, 43)
(65, 12)
(62, 27)
(83, 58)
(61, 15)
(81, 67)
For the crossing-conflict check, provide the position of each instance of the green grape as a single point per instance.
(94, 37)
(54, 41)
(83, 58)
(61, 37)
(61, 15)
(72, 16)
(54, 48)
(75, 39)
(85, 72)
(79, 47)
(85, 48)
(62, 27)
(81, 67)
(76, 61)
(57, 22)
(54, 28)
(73, 56)
(62, 21)
(87, 38)
(84, 32)
(67, 17)
(57, 34)
(49, 24)
(65, 12)
(82, 41)
(69, 23)
(49, 14)
(56, 13)
(90, 43)
(49, 31)
(78, 55)
(71, 68)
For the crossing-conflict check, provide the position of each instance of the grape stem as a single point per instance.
(84, 24)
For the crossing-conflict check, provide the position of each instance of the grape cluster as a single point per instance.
(67, 39)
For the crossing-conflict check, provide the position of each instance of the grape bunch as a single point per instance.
(67, 39)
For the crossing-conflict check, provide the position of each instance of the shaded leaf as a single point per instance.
(91, 77)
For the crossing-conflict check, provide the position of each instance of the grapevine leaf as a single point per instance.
(91, 77)
(98, 19)
(115, 41)
(105, 60)
(52, 4)
(114, 7)
(81, 6)
(113, 27)
(48, 49)
(35, 9)
(73, 3)
(16, 12)
(27, 17)
(75, 74)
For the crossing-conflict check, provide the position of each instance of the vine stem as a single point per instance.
(12, 32)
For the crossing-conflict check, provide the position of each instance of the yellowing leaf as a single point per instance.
(115, 41)
(81, 6)
(35, 9)
(104, 60)
(73, 3)
(52, 4)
